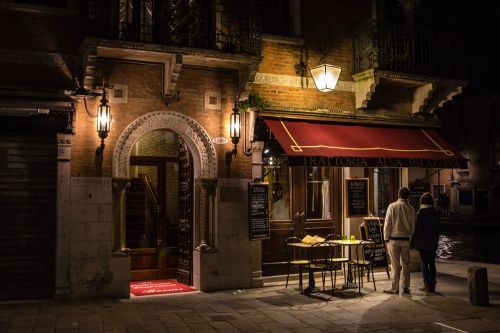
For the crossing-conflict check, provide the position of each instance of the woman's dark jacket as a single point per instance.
(426, 235)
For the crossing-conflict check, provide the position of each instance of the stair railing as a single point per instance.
(152, 211)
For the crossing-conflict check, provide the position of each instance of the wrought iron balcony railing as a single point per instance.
(406, 49)
(229, 26)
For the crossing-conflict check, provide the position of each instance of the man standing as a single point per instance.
(398, 228)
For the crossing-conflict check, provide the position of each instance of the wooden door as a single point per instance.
(150, 228)
(313, 209)
(314, 199)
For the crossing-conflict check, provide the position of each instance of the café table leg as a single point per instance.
(350, 277)
(311, 287)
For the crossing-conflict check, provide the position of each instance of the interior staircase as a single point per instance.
(135, 214)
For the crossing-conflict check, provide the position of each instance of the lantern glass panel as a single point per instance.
(235, 126)
(103, 118)
(325, 77)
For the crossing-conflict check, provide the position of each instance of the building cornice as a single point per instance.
(297, 82)
(376, 117)
(406, 76)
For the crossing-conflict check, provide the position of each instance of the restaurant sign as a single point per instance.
(380, 162)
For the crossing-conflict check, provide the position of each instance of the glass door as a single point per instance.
(302, 201)
(145, 216)
(313, 200)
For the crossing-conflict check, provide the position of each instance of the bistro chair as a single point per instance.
(363, 261)
(335, 259)
(295, 259)
(318, 260)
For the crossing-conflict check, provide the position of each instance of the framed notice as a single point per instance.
(356, 197)
(258, 211)
(416, 191)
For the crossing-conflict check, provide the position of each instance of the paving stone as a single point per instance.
(269, 309)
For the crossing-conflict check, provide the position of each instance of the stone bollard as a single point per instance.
(478, 285)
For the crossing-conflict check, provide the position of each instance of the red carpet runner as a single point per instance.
(157, 287)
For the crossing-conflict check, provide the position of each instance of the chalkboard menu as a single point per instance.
(356, 197)
(379, 257)
(371, 228)
(416, 191)
(258, 210)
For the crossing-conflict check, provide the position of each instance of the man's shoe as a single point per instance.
(407, 290)
(390, 291)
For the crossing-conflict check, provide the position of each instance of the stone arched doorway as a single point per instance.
(190, 131)
(204, 170)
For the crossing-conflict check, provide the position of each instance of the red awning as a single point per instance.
(320, 143)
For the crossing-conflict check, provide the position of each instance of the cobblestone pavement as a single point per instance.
(272, 309)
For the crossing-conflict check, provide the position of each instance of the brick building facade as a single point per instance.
(181, 85)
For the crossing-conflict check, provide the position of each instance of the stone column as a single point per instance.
(208, 188)
(257, 148)
(63, 215)
(120, 186)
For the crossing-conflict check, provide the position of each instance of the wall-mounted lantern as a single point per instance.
(235, 129)
(325, 77)
(103, 118)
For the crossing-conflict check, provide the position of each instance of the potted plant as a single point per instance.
(255, 102)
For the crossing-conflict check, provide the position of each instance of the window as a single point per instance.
(385, 188)
(281, 17)
(437, 189)
(319, 189)
(136, 19)
(279, 191)
(276, 17)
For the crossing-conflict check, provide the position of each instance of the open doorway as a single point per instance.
(159, 210)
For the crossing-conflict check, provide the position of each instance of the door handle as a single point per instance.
(302, 217)
(296, 217)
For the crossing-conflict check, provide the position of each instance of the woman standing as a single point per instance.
(425, 240)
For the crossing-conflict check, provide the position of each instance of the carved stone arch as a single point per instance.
(187, 128)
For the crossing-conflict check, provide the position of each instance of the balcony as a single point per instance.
(224, 33)
(206, 24)
(427, 65)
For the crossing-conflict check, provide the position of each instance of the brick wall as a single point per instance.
(157, 143)
(144, 95)
(281, 56)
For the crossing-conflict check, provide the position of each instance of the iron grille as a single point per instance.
(231, 26)
(406, 49)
